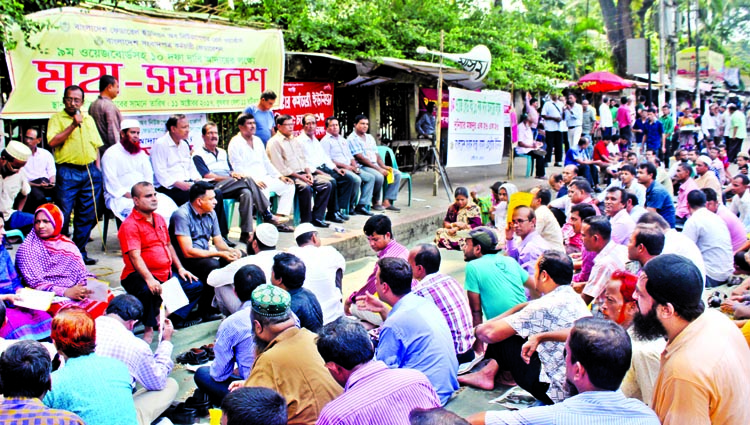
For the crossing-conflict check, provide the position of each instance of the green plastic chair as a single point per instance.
(388, 156)
(230, 205)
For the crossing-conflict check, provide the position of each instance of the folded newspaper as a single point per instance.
(515, 398)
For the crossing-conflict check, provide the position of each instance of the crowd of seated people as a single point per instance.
(592, 303)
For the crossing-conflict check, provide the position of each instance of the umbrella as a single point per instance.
(602, 82)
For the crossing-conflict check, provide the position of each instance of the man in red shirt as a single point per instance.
(150, 258)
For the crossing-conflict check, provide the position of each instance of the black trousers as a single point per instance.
(321, 189)
(201, 267)
(733, 148)
(250, 197)
(37, 197)
(181, 196)
(507, 353)
(341, 189)
(136, 286)
(554, 141)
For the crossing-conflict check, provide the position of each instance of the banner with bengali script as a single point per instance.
(307, 98)
(163, 66)
(430, 95)
(476, 127)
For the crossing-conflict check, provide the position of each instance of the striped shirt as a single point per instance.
(393, 249)
(375, 394)
(450, 298)
(150, 369)
(19, 410)
(234, 343)
(589, 408)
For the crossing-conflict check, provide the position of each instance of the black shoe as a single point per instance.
(200, 402)
(319, 223)
(211, 317)
(342, 216)
(392, 208)
(89, 261)
(377, 208)
(334, 218)
(229, 243)
(194, 356)
(182, 324)
(558, 164)
(360, 209)
(182, 415)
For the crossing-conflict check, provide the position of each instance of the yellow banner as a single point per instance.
(163, 66)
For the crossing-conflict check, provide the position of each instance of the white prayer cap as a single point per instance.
(129, 123)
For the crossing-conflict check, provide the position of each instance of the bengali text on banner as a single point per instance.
(163, 66)
(476, 127)
(304, 98)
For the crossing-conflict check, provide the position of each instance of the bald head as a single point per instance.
(569, 173)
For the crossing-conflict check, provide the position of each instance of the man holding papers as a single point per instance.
(150, 259)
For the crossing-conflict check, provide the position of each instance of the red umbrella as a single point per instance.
(602, 82)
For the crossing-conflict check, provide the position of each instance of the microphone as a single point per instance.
(78, 114)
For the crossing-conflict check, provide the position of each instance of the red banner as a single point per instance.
(308, 98)
(430, 95)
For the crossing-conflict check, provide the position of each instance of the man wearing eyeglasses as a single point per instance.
(75, 139)
(531, 245)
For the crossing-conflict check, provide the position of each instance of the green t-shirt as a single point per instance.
(498, 280)
(737, 120)
(667, 122)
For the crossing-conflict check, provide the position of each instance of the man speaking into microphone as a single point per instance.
(75, 140)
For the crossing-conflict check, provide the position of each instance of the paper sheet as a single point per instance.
(173, 296)
(34, 300)
(99, 288)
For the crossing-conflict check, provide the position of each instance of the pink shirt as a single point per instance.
(736, 229)
(623, 116)
(682, 209)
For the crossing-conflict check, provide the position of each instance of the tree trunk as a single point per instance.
(619, 25)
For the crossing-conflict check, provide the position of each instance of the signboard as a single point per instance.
(430, 95)
(711, 63)
(154, 126)
(163, 66)
(476, 128)
(307, 98)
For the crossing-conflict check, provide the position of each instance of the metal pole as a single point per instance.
(648, 64)
(662, 18)
(697, 57)
(439, 120)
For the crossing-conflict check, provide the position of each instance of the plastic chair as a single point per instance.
(529, 163)
(230, 204)
(15, 233)
(108, 214)
(388, 156)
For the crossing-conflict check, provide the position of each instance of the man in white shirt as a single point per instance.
(124, 165)
(573, 113)
(740, 204)
(344, 185)
(263, 246)
(675, 242)
(552, 114)
(546, 223)
(175, 172)
(324, 270)
(40, 171)
(247, 155)
(605, 118)
(212, 163)
(711, 235)
(337, 148)
(622, 223)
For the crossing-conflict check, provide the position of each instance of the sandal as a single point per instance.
(195, 357)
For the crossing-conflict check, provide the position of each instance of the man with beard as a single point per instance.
(703, 377)
(541, 374)
(212, 164)
(15, 185)
(597, 357)
(287, 359)
(124, 165)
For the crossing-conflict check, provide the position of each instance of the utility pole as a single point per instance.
(662, 64)
(698, 57)
(439, 126)
(672, 29)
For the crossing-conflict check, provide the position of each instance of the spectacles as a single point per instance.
(462, 243)
(72, 100)
(520, 220)
(29, 138)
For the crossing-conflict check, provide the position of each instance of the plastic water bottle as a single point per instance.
(339, 229)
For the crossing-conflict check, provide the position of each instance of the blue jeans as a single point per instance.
(368, 188)
(75, 193)
(216, 390)
(391, 190)
(21, 220)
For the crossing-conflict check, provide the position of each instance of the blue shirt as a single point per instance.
(653, 134)
(658, 197)
(574, 154)
(307, 308)
(234, 343)
(589, 408)
(95, 388)
(264, 120)
(201, 228)
(416, 336)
